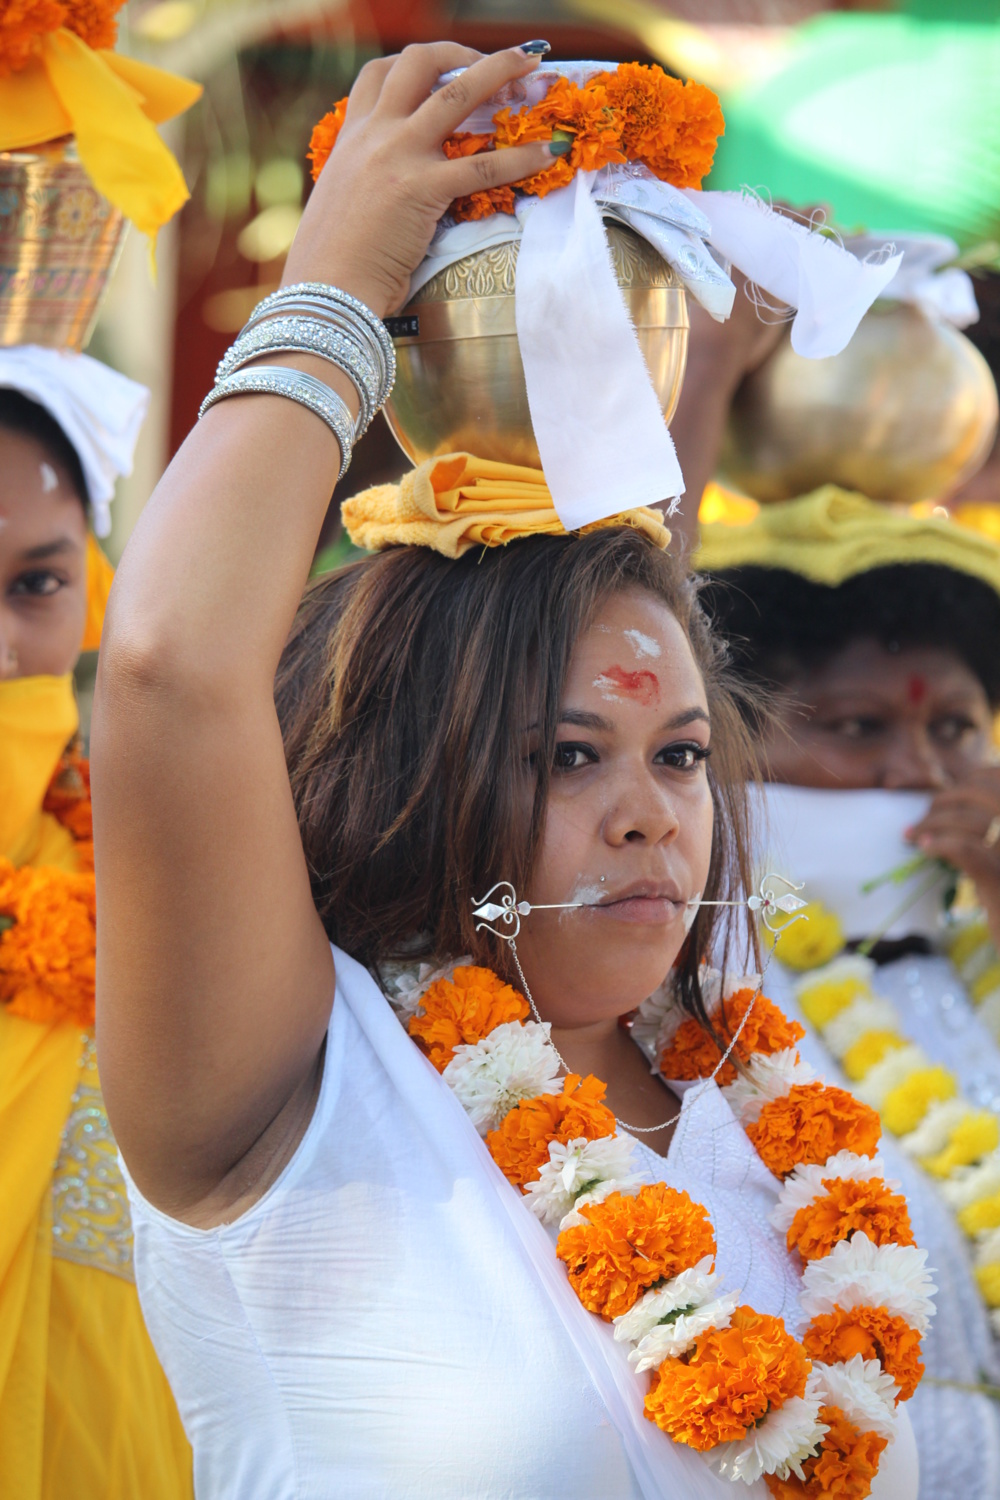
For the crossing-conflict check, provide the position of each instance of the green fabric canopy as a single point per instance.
(892, 120)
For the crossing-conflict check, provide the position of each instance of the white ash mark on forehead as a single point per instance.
(642, 645)
(50, 479)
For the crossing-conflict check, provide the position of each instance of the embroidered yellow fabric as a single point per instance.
(91, 1224)
(459, 501)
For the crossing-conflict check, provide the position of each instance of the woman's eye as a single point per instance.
(572, 757)
(860, 727)
(684, 757)
(952, 728)
(38, 584)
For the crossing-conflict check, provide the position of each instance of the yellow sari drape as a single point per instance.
(85, 1410)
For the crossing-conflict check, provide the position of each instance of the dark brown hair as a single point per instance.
(403, 694)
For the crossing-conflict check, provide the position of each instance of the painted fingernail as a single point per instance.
(561, 143)
(535, 49)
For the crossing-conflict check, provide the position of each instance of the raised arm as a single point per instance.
(215, 978)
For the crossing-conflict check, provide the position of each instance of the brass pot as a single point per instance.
(459, 381)
(906, 412)
(59, 242)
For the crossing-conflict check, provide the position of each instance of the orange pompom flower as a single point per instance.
(873, 1333)
(629, 1243)
(843, 1469)
(68, 801)
(464, 1009)
(583, 114)
(488, 201)
(520, 1144)
(695, 1053)
(324, 137)
(811, 1123)
(849, 1206)
(47, 944)
(94, 21)
(728, 1382)
(23, 24)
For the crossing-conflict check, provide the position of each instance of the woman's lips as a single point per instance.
(650, 911)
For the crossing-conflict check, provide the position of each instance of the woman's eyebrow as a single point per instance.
(49, 549)
(689, 716)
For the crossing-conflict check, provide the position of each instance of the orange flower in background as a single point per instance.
(324, 137)
(728, 1382)
(873, 1333)
(647, 103)
(629, 1243)
(811, 1123)
(68, 801)
(688, 157)
(850, 1206)
(23, 23)
(464, 1009)
(843, 1469)
(47, 944)
(520, 1144)
(94, 21)
(697, 1054)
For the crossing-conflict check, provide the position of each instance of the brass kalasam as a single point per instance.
(59, 241)
(459, 381)
(907, 412)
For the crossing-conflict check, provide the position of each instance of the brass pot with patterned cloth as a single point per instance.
(59, 243)
(460, 383)
(907, 412)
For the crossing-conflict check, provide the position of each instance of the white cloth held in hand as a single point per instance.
(99, 410)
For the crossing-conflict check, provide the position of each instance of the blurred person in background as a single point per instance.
(85, 1410)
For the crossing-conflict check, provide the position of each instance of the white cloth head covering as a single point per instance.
(99, 411)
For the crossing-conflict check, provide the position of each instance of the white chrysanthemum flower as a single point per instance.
(988, 1248)
(782, 1442)
(863, 1391)
(968, 1184)
(575, 1170)
(894, 1069)
(934, 1131)
(805, 1184)
(767, 1078)
(660, 1011)
(691, 1288)
(515, 1061)
(627, 1186)
(668, 1340)
(857, 1273)
(868, 1013)
(852, 966)
(407, 986)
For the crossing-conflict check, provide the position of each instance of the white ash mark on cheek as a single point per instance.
(691, 911)
(642, 645)
(50, 479)
(588, 892)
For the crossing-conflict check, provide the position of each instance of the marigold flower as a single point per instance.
(904, 1107)
(68, 801)
(465, 1008)
(23, 24)
(874, 1333)
(843, 1469)
(520, 1144)
(324, 137)
(850, 1204)
(47, 953)
(812, 1123)
(629, 1243)
(728, 1382)
(672, 127)
(695, 1053)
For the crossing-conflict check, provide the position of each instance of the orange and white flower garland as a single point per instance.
(726, 1380)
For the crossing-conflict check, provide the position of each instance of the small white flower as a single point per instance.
(407, 987)
(767, 1078)
(862, 1391)
(668, 1340)
(575, 1170)
(788, 1435)
(653, 1016)
(857, 1273)
(805, 1184)
(894, 1069)
(515, 1061)
(867, 1013)
(935, 1129)
(968, 1184)
(853, 966)
(691, 1288)
(627, 1186)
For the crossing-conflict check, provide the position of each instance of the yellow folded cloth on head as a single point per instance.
(832, 535)
(458, 501)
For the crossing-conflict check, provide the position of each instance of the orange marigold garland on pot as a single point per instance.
(727, 1381)
(23, 23)
(866, 1294)
(632, 114)
(47, 916)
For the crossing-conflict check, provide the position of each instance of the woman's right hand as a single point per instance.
(387, 182)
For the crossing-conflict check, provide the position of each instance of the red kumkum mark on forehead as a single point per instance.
(618, 682)
(916, 688)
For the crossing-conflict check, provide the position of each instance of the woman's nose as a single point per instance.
(9, 664)
(643, 811)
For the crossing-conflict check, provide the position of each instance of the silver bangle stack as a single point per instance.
(312, 318)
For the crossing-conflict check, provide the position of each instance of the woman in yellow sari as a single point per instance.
(85, 1410)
